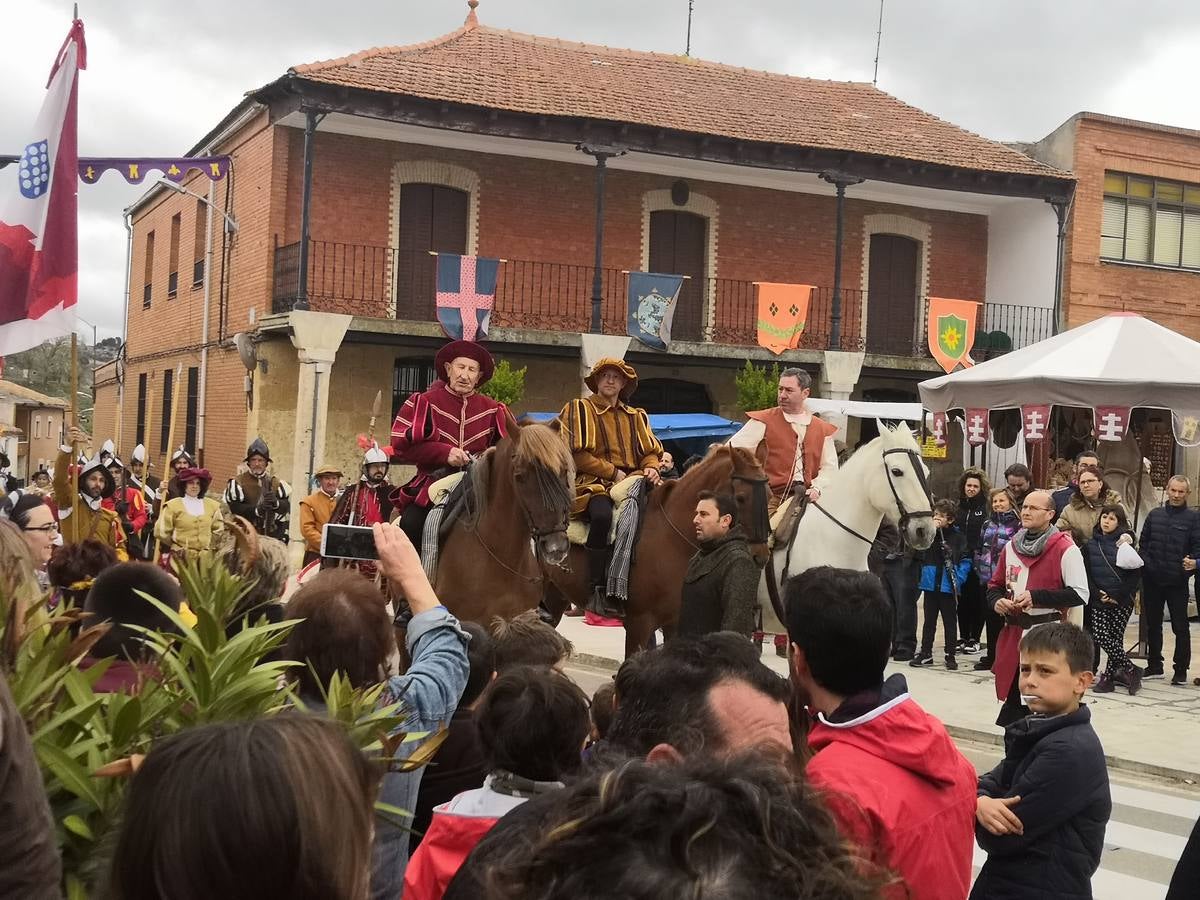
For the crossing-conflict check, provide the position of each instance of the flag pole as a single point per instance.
(74, 463)
(164, 481)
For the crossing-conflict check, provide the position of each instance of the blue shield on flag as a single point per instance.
(652, 299)
(466, 291)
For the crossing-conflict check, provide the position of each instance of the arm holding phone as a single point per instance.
(435, 679)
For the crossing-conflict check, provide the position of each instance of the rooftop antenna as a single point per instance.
(687, 50)
(878, 41)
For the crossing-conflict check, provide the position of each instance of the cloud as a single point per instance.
(161, 75)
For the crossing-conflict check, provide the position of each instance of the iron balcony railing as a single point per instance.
(383, 282)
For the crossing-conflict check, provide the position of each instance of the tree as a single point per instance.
(507, 385)
(88, 744)
(757, 388)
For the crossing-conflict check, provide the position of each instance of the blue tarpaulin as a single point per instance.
(675, 426)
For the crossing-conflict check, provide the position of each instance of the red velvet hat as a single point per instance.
(470, 350)
(194, 474)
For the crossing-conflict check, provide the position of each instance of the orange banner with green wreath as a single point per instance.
(952, 331)
(782, 314)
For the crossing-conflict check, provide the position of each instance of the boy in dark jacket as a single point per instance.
(944, 568)
(1041, 814)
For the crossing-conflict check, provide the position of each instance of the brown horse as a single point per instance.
(668, 540)
(520, 497)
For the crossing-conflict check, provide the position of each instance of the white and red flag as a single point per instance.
(1036, 422)
(1111, 422)
(39, 254)
(976, 426)
(939, 429)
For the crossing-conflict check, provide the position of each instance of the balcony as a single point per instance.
(382, 282)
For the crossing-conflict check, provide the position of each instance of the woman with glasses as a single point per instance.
(34, 517)
(1082, 514)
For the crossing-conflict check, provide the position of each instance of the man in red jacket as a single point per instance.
(894, 779)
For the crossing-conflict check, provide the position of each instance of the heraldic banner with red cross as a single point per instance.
(466, 291)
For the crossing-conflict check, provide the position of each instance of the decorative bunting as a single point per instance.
(1111, 422)
(782, 314)
(135, 168)
(952, 331)
(977, 427)
(652, 301)
(1036, 422)
(939, 429)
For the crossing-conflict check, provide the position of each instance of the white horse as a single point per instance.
(885, 478)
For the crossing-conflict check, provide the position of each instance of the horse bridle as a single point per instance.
(914, 457)
(759, 515)
(758, 500)
(906, 515)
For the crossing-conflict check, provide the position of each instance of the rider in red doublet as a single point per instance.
(441, 429)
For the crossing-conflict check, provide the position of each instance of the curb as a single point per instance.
(1114, 762)
(1133, 766)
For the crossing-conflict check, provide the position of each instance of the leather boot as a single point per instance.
(1104, 685)
(1133, 680)
(599, 602)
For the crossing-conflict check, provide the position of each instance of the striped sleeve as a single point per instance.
(579, 429)
(649, 446)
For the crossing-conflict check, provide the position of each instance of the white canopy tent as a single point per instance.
(1121, 359)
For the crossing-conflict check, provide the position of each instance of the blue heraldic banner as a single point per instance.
(652, 300)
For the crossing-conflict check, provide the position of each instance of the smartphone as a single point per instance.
(348, 542)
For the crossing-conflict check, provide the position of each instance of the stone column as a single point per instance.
(840, 370)
(317, 338)
(593, 347)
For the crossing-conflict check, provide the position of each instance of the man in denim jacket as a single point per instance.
(429, 690)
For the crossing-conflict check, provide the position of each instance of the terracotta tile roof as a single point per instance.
(24, 396)
(524, 73)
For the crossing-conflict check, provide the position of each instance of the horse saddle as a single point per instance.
(577, 529)
(785, 519)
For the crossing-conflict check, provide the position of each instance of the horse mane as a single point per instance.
(544, 447)
(542, 452)
(738, 458)
(479, 489)
(851, 469)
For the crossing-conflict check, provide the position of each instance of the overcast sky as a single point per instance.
(160, 75)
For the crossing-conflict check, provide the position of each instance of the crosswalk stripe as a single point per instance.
(1144, 840)
(1163, 803)
(1106, 884)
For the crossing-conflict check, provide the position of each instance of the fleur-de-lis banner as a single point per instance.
(135, 168)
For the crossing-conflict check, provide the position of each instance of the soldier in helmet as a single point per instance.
(85, 518)
(260, 497)
(180, 460)
(368, 501)
(316, 510)
(129, 503)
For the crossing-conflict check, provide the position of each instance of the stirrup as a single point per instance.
(601, 604)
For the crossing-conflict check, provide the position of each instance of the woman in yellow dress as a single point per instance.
(189, 524)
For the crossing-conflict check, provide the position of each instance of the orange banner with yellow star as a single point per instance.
(952, 331)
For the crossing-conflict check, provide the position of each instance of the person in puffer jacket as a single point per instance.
(1042, 812)
(997, 531)
(973, 512)
(944, 568)
(1113, 586)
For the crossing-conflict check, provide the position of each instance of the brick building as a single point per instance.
(477, 142)
(1133, 239)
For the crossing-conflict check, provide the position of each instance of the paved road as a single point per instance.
(1150, 824)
